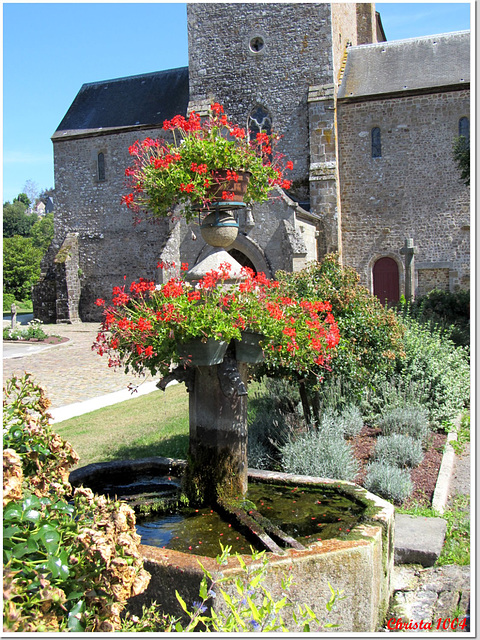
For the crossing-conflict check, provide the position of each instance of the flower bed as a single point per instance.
(424, 477)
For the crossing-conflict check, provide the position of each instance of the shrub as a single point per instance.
(400, 450)
(351, 421)
(445, 310)
(433, 360)
(388, 481)
(33, 330)
(407, 421)
(391, 393)
(69, 565)
(273, 413)
(370, 335)
(337, 393)
(8, 300)
(320, 453)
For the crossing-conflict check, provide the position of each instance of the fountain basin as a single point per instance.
(361, 564)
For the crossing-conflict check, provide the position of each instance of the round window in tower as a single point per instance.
(257, 43)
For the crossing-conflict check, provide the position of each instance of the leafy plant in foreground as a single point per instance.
(69, 565)
(252, 608)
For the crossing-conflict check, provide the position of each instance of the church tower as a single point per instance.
(278, 65)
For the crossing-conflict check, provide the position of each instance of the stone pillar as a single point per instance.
(218, 432)
(408, 250)
(324, 183)
(13, 310)
(68, 287)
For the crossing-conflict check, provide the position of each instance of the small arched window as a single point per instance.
(376, 143)
(464, 128)
(259, 120)
(101, 167)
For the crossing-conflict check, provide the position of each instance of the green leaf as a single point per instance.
(13, 511)
(58, 566)
(256, 580)
(75, 622)
(9, 532)
(203, 592)
(32, 515)
(24, 548)
(181, 602)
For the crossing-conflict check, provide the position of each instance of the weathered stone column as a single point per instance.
(408, 250)
(217, 465)
(218, 432)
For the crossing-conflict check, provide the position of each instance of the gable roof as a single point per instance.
(134, 101)
(407, 65)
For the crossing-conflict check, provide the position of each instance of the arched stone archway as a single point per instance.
(246, 252)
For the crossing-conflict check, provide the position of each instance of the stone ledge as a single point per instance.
(418, 540)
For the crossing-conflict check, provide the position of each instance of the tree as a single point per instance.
(21, 266)
(42, 232)
(22, 197)
(461, 154)
(16, 220)
(370, 334)
(32, 190)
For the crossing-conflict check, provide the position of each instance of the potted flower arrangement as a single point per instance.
(147, 327)
(208, 160)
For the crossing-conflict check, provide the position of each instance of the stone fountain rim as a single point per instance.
(94, 469)
(384, 511)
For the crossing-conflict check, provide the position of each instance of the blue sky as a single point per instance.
(51, 49)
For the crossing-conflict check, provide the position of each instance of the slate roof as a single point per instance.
(134, 101)
(407, 65)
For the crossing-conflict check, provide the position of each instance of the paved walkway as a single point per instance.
(71, 372)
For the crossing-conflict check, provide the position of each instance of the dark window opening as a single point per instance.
(242, 259)
(376, 143)
(464, 128)
(101, 167)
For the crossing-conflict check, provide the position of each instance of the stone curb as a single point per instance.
(440, 495)
(87, 406)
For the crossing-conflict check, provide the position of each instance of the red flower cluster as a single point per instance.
(166, 174)
(298, 335)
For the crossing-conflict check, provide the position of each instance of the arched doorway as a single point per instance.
(386, 281)
(242, 259)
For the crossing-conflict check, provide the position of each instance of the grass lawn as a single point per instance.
(153, 425)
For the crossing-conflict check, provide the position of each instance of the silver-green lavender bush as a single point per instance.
(402, 451)
(388, 481)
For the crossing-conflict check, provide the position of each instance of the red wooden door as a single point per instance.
(385, 281)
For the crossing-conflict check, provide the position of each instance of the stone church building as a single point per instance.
(368, 124)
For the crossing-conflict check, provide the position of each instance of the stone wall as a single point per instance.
(412, 190)
(110, 247)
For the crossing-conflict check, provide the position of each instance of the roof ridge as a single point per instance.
(139, 75)
(393, 42)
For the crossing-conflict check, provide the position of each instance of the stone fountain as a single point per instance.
(217, 473)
